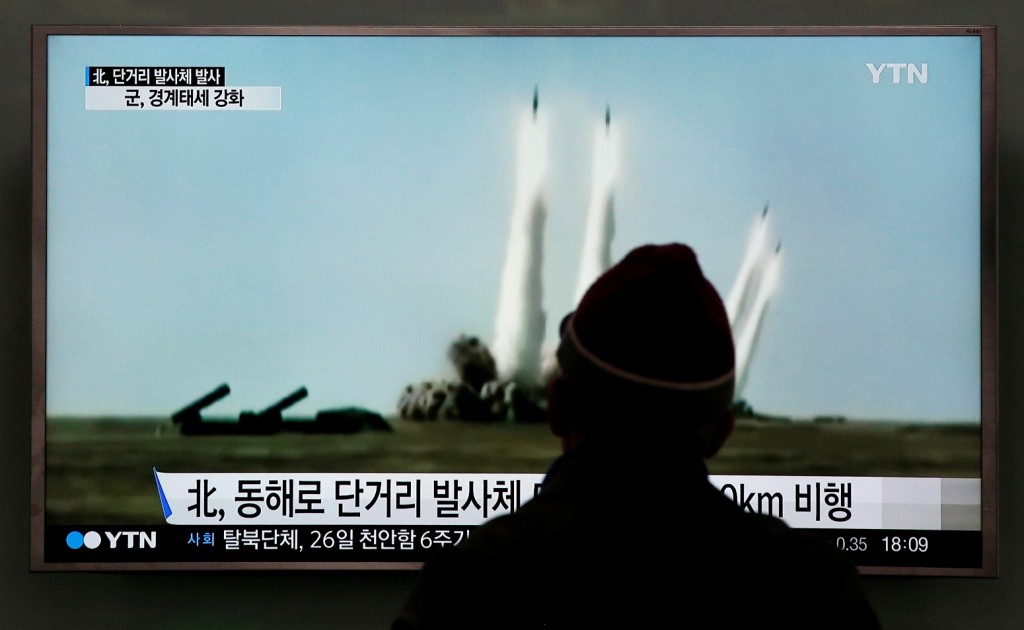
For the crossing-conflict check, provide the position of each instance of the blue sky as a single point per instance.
(342, 242)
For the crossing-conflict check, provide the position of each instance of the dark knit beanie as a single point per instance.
(652, 328)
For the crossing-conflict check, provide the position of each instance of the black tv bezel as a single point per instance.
(988, 271)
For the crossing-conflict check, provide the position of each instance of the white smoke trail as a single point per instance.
(746, 341)
(748, 299)
(600, 228)
(736, 305)
(520, 322)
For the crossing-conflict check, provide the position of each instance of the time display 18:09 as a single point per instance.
(913, 544)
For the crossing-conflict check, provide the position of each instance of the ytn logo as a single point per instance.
(128, 540)
(912, 72)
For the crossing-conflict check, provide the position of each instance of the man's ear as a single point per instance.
(721, 428)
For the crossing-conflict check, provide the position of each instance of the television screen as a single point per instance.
(296, 290)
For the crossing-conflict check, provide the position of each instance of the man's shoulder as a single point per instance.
(572, 561)
(542, 522)
(770, 541)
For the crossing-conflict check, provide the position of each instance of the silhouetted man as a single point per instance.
(627, 531)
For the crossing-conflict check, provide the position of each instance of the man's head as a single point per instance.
(648, 351)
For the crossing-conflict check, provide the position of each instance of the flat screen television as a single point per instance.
(295, 290)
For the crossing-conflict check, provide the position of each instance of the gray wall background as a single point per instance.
(64, 600)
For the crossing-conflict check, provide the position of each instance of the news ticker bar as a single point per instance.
(172, 98)
(414, 543)
(158, 76)
(468, 499)
(172, 88)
